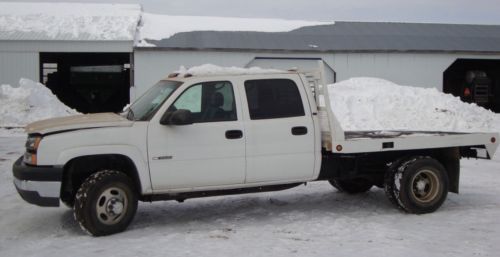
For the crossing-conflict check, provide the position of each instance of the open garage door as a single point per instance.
(88, 82)
(475, 81)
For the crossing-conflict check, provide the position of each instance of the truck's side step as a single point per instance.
(180, 197)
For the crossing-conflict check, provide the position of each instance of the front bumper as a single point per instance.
(40, 185)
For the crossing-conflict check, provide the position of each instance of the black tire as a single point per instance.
(419, 185)
(99, 197)
(351, 186)
(389, 181)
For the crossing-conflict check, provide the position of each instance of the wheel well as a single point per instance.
(80, 168)
(373, 166)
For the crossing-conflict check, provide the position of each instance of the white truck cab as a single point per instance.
(196, 136)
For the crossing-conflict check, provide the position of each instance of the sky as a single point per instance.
(427, 11)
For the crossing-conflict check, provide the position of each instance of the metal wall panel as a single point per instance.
(151, 66)
(423, 70)
(416, 69)
(16, 65)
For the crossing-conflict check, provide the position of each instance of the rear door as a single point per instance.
(280, 135)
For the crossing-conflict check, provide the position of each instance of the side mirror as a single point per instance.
(178, 117)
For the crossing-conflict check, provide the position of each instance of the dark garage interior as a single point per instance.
(475, 81)
(88, 82)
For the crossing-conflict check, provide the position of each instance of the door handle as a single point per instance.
(299, 131)
(234, 134)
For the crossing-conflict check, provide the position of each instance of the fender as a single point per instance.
(127, 150)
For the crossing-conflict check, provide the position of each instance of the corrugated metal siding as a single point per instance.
(424, 70)
(149, 67)
(16, 65)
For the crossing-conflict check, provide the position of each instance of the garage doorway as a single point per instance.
(474, 81)
(88, 82)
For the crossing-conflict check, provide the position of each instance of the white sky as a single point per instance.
(437, 11)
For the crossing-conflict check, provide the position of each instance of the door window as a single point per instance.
(208, 102)
(273, 98)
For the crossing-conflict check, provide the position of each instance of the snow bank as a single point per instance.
(211, 69)
(27, 103)
(157, 26)
(69, 21)
(377, 104)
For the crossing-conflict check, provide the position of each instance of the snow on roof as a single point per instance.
(68, 21)
(84, 21)
(157, 26)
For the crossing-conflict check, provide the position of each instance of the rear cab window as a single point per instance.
(273, 98)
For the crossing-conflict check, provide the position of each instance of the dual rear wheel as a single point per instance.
(416, 185)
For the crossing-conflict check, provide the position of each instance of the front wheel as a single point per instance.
(419, 185)
(105, 203)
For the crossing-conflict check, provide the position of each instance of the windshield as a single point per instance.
(147, 105)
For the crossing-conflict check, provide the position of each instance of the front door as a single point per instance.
(209, 152)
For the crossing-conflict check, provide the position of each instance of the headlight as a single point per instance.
(30, 158)
(32, 143)
(31, 148)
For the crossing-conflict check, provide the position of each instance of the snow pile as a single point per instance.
(210, 70)
(157, 27)
(69, 21)
(377, 104)
(27, 103)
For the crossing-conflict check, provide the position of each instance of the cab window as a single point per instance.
(208, 102)
(273, 98)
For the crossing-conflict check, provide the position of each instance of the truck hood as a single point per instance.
(86, 121)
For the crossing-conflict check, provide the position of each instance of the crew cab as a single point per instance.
(217, 134)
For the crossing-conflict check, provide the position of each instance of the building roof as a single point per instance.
(68, 21)
(347, 37)
(161, 26)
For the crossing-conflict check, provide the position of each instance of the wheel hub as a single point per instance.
(111, 205)
(425, 186)
(114, 206)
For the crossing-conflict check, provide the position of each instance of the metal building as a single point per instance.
(87, 69)
(460, 59)
(103, 74)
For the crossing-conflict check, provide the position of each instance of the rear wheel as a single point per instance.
(351, 186)
(105, 203)
(419, 185)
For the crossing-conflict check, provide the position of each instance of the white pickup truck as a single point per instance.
(197, 136)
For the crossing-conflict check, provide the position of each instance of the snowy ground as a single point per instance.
(312, 220)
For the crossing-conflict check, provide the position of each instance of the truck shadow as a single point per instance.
(301, 205)
(255, 209)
